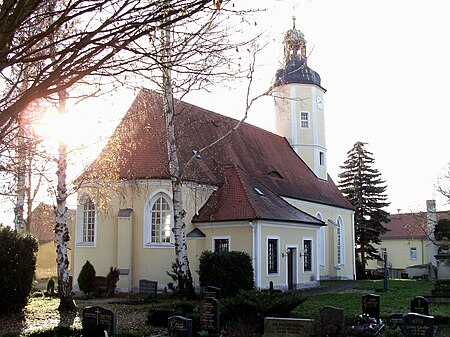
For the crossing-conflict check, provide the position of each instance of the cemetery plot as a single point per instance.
(209, 315)
(180, 326)
(97, 320)
(419, 305)
(332, 321)
(371, 306)
(416, 325)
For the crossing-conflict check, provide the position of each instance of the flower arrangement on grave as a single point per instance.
(366, 326)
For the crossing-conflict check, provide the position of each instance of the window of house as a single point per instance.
(221, 245)
(340, 241)
(304, 120)
(321, 158)
(307, 255)
(86, 223)
(158, 220)
(272, 256)
(413, 253)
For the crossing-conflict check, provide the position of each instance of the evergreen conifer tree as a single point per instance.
(363, 187)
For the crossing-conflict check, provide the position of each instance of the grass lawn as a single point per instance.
(396, 300)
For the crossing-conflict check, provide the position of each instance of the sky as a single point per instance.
(385, 67)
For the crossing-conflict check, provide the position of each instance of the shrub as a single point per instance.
(250, 307)
(111, 281)
(229, 271)
(86, 278)
(17, 267)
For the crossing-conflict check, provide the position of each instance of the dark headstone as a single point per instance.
(417, 325)
(419, 305)
(210, 291)
(371, 305)
(395, 320)
(209, 315)
(50, 287)
(147, 289)
(332, 321)
(180, 326)
(288, 327)
(97, 320)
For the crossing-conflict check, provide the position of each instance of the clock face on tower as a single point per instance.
(320, 102)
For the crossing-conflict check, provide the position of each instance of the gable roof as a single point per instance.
(138, 150)
(409, 225)
(242, 197)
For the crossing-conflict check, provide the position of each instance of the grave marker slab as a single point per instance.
(180, 326)
(371, 305)
(210, 291)
(288, 327)
(332, 321)
(209, 315)
(396, 320)
(417, 325)
(96, 320)
(419, 305)
(147, 289)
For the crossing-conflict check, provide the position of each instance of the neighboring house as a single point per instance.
(42, 226)
(262, 193)
(408, 241)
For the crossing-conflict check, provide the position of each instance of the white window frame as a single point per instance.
(80, 233)
(340, 241)
(214, 238)
(147, 235)
(278, 257)
(311, 253)
(305, 123)
(413, 256)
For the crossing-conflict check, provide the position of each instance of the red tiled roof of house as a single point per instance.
(241, 197)
(138, 150)
(409, 225)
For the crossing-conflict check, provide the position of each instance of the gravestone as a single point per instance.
(371, 306)
(417, 325)
(180, 326)
(332, 321)
(209, 315)
(147, 289)
(50, 287)
(395, 320)
(419, 305)
(210, 291)
(96, 320)
(288, 327)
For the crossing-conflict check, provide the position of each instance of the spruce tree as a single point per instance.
(362, 185)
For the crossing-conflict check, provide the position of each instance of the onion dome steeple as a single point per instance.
(295, 68)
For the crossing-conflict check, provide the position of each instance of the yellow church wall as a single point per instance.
(46, 260)
(399, 253)
(328, 214)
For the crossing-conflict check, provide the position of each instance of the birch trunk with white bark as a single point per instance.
(62, 236)
(185, 283)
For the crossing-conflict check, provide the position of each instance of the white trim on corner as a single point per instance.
(293, 98)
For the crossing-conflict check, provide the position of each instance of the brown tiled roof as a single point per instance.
(409, 225)
(138, 150)
(242, 197)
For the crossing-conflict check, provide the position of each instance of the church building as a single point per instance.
(266, 194)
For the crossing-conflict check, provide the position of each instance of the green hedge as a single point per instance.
(17, 268)
(229, 271)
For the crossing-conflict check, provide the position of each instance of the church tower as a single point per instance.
(299, 109)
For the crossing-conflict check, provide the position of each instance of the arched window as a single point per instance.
(86, 222)
(158, 220)
(340, 241)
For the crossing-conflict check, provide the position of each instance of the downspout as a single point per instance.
(353, 248)
(254, 260)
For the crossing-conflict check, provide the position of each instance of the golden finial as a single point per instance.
(293, 21)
